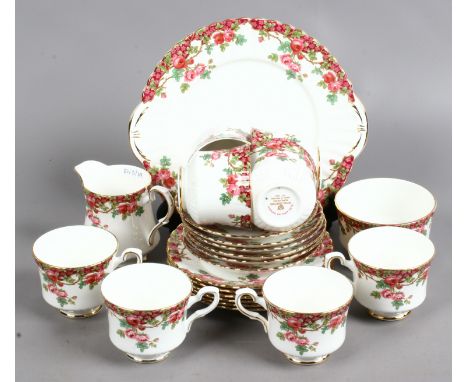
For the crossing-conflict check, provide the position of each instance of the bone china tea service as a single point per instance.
(145, 323)
(250, 179)
(390, 266)
(72, 262)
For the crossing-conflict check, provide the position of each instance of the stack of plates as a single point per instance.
(231, 258)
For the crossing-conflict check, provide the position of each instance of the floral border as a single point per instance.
(120, 205)
(294, 326)
(236, 182)
(350, 225)
(134, 323)
(55, 279)
(181, 65)
(390, 283)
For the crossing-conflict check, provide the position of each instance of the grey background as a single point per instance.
(81, 66)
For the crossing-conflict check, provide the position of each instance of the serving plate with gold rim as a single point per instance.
(225, 75)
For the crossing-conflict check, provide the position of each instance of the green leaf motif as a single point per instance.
(121, 333)
(139, 211)
(280, 336)
(177, 74)
(124, 324)
(285, 47)
(192, 49)
(290, 74)
(273, 57)
(301, 349)
(184, 87)
(240, 39)
(142, 346)
(381, 284)
(209, 48)
(397, 304)
(205, 74)
(165, 162)
(375, 294)
(223, 47)
(225, 199)
(332, 98)
(318, 71)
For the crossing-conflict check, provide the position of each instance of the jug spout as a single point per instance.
(89, 169)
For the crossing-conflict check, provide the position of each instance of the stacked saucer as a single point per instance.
(233, 258)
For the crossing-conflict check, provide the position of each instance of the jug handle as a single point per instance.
(167, 196)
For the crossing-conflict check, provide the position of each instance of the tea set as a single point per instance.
(250, 183)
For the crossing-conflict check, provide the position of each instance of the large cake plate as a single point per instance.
(244, 73)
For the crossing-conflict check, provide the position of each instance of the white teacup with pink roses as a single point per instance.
(72, 262)
(390, 267)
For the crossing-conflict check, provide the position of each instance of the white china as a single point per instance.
(307, 309)
(284, 182)
(118, 199)
(72, 262)
(383, 201)
(390, 267)
(147, 309)
(249, 73)
(180, 256)
(216, 184)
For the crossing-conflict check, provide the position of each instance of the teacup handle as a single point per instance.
(204, 311)
(332, 256)
(167, 196)
(257, 299)
(122, 257)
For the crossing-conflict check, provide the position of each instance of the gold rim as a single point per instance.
(316, 361)
(403, 224)
(186, 218)
(287, 261)
(260, 247)
(426, 263)
(266, 252)
(397, 317)
(40, 262)
(147, 361)
(90, 313)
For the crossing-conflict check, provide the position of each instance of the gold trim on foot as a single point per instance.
(90, 313)
(145, 361)
(396, 317)
(314, 361)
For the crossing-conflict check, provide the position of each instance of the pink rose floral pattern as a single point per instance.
(182, 63)
(264, 145)
(389, 284)
(236, 182)
(349, 225)
(121, 205)
(295, 326)
(134, 324)
(337, 178)
(55, 280)
(162, 175)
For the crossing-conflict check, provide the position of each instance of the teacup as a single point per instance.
(216, 185)
(283, 182)
(383, 202)
(307, 309)
(390, 267)
(72, 263)
(147, 309)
